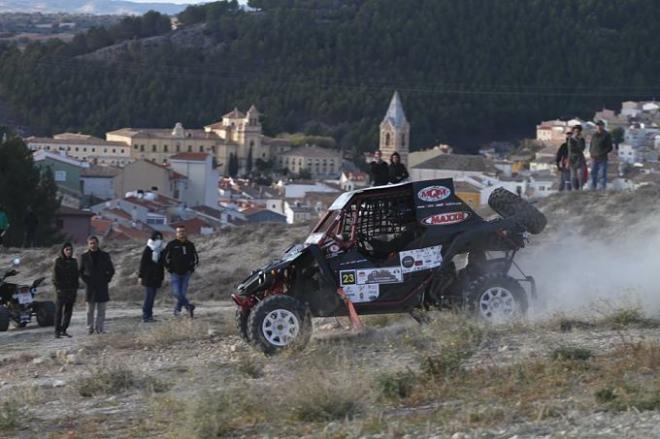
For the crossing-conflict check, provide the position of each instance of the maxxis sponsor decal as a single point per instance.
(431, 194)
(445, 219)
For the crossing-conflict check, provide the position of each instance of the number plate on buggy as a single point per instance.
(24, 298)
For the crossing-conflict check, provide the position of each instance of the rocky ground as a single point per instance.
(575, 368)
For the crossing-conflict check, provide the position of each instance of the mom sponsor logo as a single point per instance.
(445, 219)
(432, 194)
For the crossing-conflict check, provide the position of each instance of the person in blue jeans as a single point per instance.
(152, 273)
(600, 147)
(180, 261)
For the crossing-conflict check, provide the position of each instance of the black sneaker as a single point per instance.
(57, 334)
(191, 310)
(91, 331)
(66, 334)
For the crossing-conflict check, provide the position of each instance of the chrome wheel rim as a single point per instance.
(497, 304)
(280, 327)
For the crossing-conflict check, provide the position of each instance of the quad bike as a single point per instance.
(392, 249)
(17, 303)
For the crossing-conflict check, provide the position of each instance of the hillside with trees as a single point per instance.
(468, 71)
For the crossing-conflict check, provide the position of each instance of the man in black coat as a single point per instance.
(152, 273)
(96, 270)
(180, 260)
(380, 172)
(65, 280)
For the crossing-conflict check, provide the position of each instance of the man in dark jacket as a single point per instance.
(65, 280)
(96, 270)
(576, 163)
(561, 160)
(380, 172)
(180, 261)
(151, 273)
(600, 147)
(397, 170)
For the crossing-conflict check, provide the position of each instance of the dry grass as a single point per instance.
(111, 380)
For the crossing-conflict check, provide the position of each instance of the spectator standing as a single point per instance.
(180, 261)
(152, 273)
(576, 162)
(600, 147)
(4, 223)
(561, 160)
(380, 172)
(30, 222)
(397, 170)
(96, 270)
(65, 280)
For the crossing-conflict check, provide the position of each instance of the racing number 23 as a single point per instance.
(348, 278)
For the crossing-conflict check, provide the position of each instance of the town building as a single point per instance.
(98, 181)
(417, 157)
(452, 166)
(202, 179)
(352, 180)
(395, 131)
(236, 136)
(146, 175)
(74, 224)
(66, 173)
(83, 147)
(319, 162)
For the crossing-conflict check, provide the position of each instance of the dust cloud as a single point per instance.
(597, 269)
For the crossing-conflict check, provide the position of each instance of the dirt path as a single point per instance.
(34, 340)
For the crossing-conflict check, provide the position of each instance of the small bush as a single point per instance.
(251, 366)
(443, 365)
(397, 385)
(605, 395)
(10, 416)
(318, 398)
(571, 353)
(106, 382)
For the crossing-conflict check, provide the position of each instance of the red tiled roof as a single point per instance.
(101, 225)
(117, 212)
(69, 211)
(190, 156)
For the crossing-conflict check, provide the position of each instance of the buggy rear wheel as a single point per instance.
(45, 313)
(496, 298)
(279, 322)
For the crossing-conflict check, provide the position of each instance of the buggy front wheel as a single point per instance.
(279, 322)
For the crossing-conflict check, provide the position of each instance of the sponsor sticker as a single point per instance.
(362, 293)
(431, 194)
(421, 259)
(445, 219)
(363, 276)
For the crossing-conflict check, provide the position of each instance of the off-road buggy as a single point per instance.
(392, 249)
(18, 304)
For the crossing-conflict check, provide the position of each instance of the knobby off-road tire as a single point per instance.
(241, 319)
(496, 298)
(45, 313)
(509, 205)
(279, 322)
(5, 319)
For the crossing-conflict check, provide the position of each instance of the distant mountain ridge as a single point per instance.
(88, 6)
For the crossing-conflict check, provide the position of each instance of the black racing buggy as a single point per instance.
(392, 249)
(18, 304)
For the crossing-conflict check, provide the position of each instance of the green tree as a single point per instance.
(23, 185)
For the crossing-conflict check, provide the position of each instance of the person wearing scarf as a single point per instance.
(65, 280)
(152, 272)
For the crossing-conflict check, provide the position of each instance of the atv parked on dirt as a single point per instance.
(18, 304)
(392, 249)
